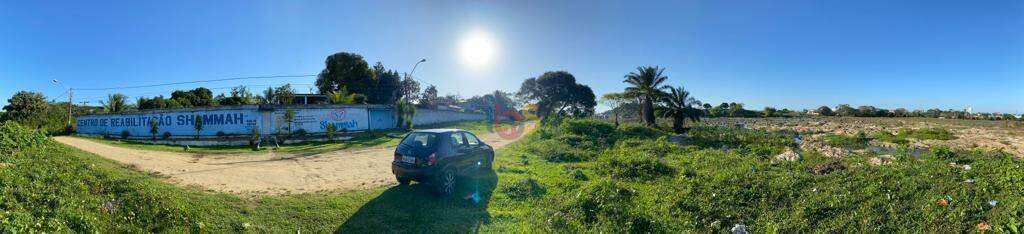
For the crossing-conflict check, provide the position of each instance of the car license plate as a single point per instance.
(408, 159)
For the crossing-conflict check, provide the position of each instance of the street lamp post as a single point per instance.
(70, 93)
(414, 66)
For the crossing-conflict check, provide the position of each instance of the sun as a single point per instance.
(477, 49)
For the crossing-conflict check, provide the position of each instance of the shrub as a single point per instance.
(254, 136)
(640, 132)
(601, 205)
(921, 134)
(557, 151)
(523, 188)
(330, 130)
(844, 141)
(625, 163)
(929, 134)
(761, 150)
(589, 128)
(167, 135)
(15, 138)
(659, 148)
(125, 134)
(577, 174)
(221, 134)
(943, 152)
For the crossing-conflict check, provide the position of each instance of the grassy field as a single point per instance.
(358, 140)
(581, 176)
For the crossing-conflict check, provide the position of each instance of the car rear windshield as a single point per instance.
(420, 139)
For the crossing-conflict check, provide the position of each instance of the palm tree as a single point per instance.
(647, 88)
(116, 103)
(679, 106)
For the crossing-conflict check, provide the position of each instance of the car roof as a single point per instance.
(440, 130)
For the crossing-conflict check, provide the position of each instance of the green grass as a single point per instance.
(711, 183)
(358, 140)
(844, 141)
(904, 135)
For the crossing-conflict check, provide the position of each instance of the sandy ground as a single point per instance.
(970, 134)
(268, 173)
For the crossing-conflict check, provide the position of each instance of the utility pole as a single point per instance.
(71, 93)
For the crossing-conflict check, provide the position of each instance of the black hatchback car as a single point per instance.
(439, 156)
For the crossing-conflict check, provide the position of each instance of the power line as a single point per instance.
(200, 81)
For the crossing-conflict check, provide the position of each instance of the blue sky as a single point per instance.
(787, 54)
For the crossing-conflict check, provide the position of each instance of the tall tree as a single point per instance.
(268, 96)
(557, 93)
(615, 102)
(429, 99)
(25, 103)
(769, 111)
(285, 95)
(345, 70)
(387, 88)
(646, 85)
(410, 89)
(240, 95)
(825, 111)
(845, 110)
(679, 106)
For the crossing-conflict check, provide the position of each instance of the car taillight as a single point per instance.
(432, 159)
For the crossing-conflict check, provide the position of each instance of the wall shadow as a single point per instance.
(415, 208)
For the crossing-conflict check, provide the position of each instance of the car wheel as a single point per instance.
(403, 181)
(445, 182)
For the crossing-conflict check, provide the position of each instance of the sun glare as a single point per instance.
(477, 49)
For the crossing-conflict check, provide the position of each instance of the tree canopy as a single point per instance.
(347, 70)
(557, 93)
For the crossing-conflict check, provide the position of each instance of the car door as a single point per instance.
(475, 148)
(459, 152)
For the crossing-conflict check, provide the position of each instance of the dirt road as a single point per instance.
(266, 173)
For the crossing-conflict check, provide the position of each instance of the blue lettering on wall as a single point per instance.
(340, 125)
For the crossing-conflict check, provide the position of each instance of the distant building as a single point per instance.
(309, 98)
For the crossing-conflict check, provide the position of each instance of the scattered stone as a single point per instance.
(993, 202)
(826, 168)
(881, 160)
(789, 155)
(739, 229)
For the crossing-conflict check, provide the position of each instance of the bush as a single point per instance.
(640, 132)
(844, 141)
(523, 189)
(167, 135)
(921, 134)
(125, 134)
(590, 128)
(221, 134)
(627, 163)
(15, 138)
(929, 134)
(557, 151)
(601, 205)
(761, 150)
(659, 148)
